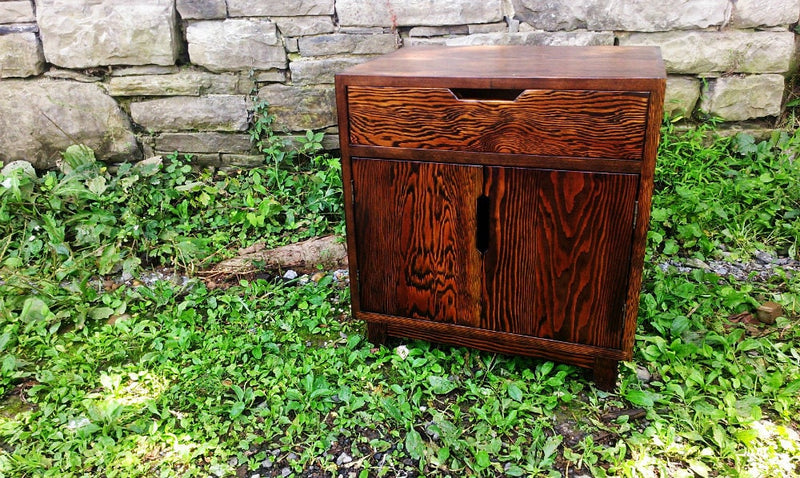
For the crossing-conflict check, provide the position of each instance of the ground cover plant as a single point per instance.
(106, 374)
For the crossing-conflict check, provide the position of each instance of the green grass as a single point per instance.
(267, 375)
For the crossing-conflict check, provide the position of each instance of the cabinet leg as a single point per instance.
(605, 373)
(376, 333)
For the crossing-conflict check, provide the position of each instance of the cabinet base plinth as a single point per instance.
(377, 333)
(605, 373)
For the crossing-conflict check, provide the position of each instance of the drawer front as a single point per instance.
(575, 123)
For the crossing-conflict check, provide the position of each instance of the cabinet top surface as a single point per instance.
(516, 62)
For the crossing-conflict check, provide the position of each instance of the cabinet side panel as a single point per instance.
(583, 246)
(510, 260)
(415, 239)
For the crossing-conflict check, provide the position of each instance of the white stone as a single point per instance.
(321, 70)
(235, 44)
(40, 118)
(303, 26)
(393, 13)
(201, 9)
(20, 55)
(758, 13)
(299, 108)
(573, 38)
(325, 45)
(88, 33)
(738, 98)
(279, 8)
(726, 51)
(182, 83)
(16, 12)
(681, 95)
(205, 113)
(639, 15)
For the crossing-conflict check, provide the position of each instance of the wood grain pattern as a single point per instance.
(582, 245)
(576, 123)
(490, 340)
(510, 262)
(508, 66)
(415, 237)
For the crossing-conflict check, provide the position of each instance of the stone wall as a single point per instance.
(142, 77)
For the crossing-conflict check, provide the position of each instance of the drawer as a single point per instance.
(574, 123)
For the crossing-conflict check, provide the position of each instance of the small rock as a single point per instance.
(255, 475)
(266, 464)
(764, 257)
(292, 457)
(25, 168)
(643, 374)
(290, 274)
(696, 263)
(341, 275)
(768, 312)
(402, 352)
(286, 471)
(343, 458)
(233, 461)
(317, 276)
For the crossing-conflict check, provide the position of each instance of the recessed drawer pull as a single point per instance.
(486, 94)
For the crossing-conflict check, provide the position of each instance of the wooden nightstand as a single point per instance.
(499, 197)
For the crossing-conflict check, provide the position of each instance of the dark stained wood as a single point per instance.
(645, 197)
(498, 159)
(377, 333)
(605, 372)
(591, 124)
(561, 143)
(415, 229)
(583, 233)
(492, 341)
(509, 264)
(461, 67)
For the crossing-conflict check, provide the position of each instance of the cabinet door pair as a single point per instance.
(543, 253)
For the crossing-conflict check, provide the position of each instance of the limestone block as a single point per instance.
(17, 12)
(279, 8)
(757, 13)
(145, 70)
(20, 55)
(204, 142)
(499, 27)
(235, 44)
(205, 113)
(573, 38)
(182, 83)
(201, 9)
(641, 15)
(439, 31)
(241, 161)
(298, 108)
(19, 28)
(324, 45)
(392, 13)
(87, 33)
(303, 26)
(40, 118)
(314, 71)
(726, 51)
(737, 98)
(681, 95)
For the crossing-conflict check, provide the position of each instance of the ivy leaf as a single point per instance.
(414, 444)
(441, 385)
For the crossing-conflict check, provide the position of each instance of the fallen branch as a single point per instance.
(328, 252)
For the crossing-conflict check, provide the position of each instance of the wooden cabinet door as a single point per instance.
(415, 226)
(558, 260)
